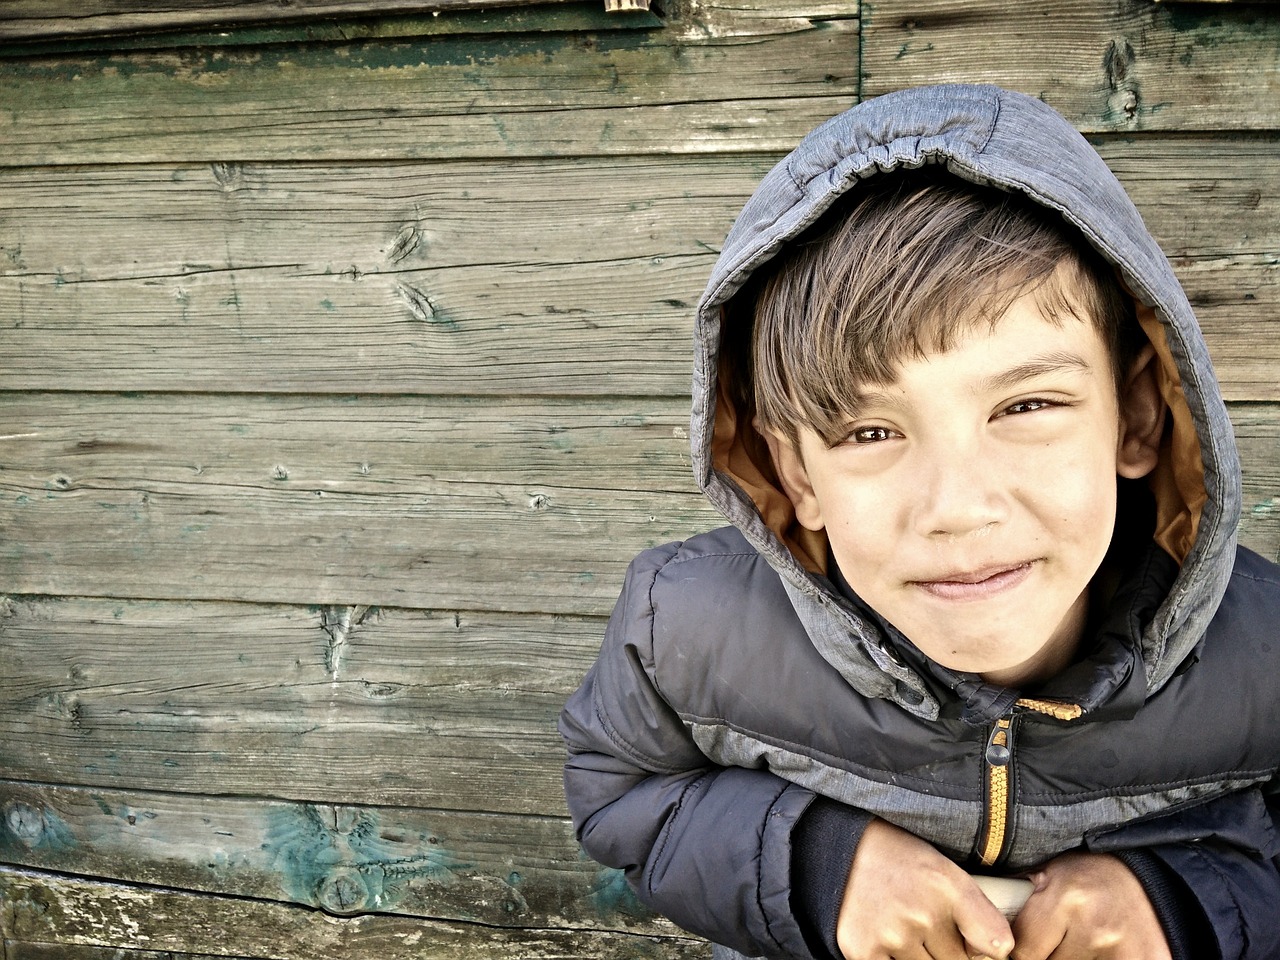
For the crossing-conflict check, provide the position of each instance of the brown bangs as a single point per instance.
(903, 266)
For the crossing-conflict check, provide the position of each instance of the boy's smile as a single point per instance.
(974, 497)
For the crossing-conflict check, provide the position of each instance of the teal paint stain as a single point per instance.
(336, 858)
(611, 895)
(33, 827)
(239, 429)
(104, 806)
(328, 304)
(22, 499)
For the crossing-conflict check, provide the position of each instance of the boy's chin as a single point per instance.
(1039, 665)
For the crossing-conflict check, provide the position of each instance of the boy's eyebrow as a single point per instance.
(1004, 380)
(1049, 363)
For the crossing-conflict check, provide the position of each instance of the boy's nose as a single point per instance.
(960, 494)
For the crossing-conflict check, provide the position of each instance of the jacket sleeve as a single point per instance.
(1217, 892)
(1238, 889)
(709, 847)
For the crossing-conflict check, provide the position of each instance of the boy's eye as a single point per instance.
(1026, 406)
(870, 434)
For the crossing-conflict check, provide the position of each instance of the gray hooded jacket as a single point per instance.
(740, 679)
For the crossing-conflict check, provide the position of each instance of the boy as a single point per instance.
(981, 607)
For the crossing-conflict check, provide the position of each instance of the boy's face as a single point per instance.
(973, 499)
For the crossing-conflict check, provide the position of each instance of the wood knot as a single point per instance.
(1117, 63)
(230, 176)
(25, 822)
(539, 501)
(342, 892)
(422, 307)
(406, 241)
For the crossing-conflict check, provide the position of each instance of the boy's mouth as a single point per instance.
(976, 584)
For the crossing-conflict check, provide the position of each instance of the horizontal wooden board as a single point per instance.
(17, 950)
(436, 503)
(508, 505)
(50, 909)
(550, 278)
(577, 16)
(728, 77)
(1128, 65)
(566, 278)
(27, 19)
(1257, 428)
(503, 871)
(348, 705)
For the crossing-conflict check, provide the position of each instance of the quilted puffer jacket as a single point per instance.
(743, 689)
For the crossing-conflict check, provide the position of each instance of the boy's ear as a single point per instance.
(790, 468)
(1142, 413)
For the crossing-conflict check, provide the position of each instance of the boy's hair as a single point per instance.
(904, 265)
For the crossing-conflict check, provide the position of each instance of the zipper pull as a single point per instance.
(998, 754)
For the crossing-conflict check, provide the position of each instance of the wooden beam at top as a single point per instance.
(44, 19)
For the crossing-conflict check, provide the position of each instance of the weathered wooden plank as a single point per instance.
(17, 950)
(1128, 65)
(347, 705)
(513, 505)
(532, 278)
(1257, 428)
(27, 19)
(516, 505)
(499, 870)
(576, 17)
(537, 278)
(720, 80)
(49, 909)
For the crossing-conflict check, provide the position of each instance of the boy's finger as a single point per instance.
(1037, 930)
(985, 930)
(948, 945)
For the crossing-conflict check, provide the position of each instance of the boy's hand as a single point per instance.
(906, 901)
(1088, 906)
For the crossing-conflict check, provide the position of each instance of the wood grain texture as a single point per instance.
(1108, 66)
(551, 277)
(513, 505)
(49, 909)
(720, 77)
(452, 710)
(17, 950)
(503, 871)
(547, 278)
(29, 19)
(458, 504)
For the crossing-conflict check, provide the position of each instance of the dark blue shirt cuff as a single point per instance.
(822, 847)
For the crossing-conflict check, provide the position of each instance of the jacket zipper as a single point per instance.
(998, 808)
(999, 791)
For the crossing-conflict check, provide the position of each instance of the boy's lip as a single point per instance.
(978, 583)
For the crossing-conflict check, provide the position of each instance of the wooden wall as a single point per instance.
(345, 367)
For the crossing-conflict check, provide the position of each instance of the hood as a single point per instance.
(994, 137)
